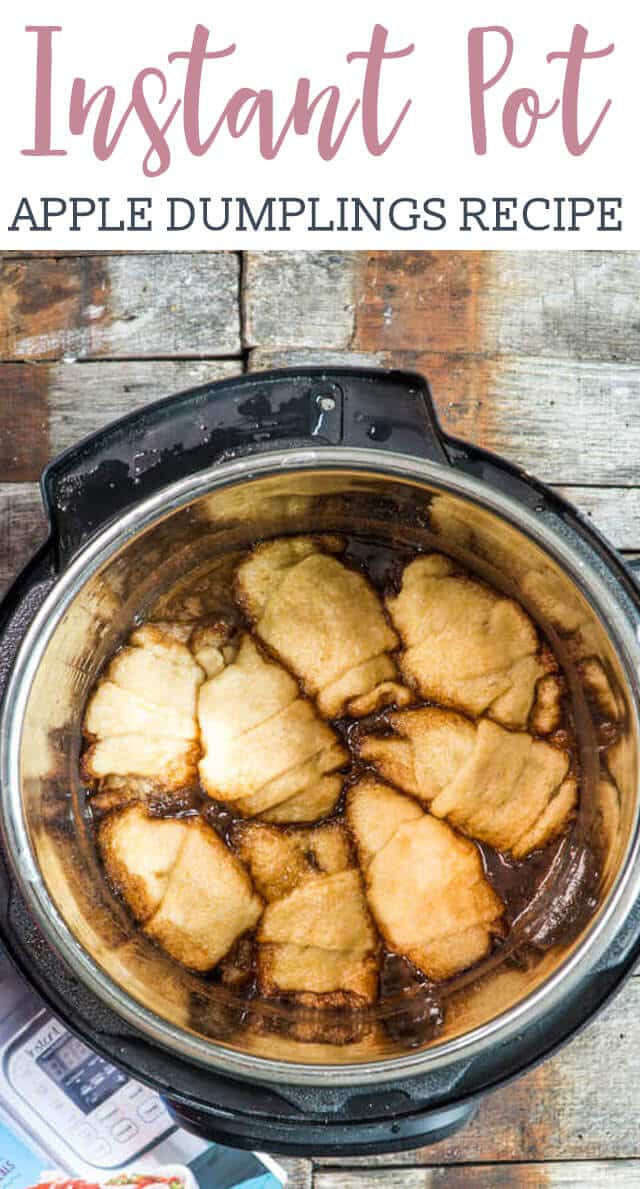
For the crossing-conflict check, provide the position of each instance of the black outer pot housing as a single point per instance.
(96, 482)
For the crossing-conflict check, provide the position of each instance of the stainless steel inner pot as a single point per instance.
(189, 533)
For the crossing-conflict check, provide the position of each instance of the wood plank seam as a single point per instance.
(533, 1175)
(335, 1164)
(242, 298)
(24, 360)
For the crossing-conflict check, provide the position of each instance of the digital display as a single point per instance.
(84, 1077)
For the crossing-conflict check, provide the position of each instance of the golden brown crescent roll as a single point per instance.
(142, 717)
(465, 645)
(191, 893)
(324, 620)
(425, 885)
(374, 813)
(501, 787)
(314, 802)
(264, 744)
(208, 904)
(138, 853)
(319, 939)
(279, 860)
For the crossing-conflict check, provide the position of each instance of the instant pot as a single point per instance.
(168, 497)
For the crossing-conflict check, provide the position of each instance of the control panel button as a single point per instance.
(123, 1130)
(110, 1112)
(150, 1109)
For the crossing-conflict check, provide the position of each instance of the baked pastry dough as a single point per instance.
(324, 621)
(142, 716)
(425, 885)
(264, 745)
(139, 853)
(319, 940)
(501, 787)
(299, 908)
(190, 893)
(279, 860)
(374, 813)
(315, 801)
(465, 645)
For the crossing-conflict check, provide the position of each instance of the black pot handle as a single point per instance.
(135, 457)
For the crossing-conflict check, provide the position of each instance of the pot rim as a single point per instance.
(544, 1000)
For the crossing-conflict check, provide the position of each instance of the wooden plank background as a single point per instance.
(533, 355)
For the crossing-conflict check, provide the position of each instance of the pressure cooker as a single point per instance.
(168, 492)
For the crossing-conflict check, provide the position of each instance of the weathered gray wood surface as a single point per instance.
(300, 299)
(167, 304)
(578, 1175)
(573, 305)
(534, 355)
(22, 528)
